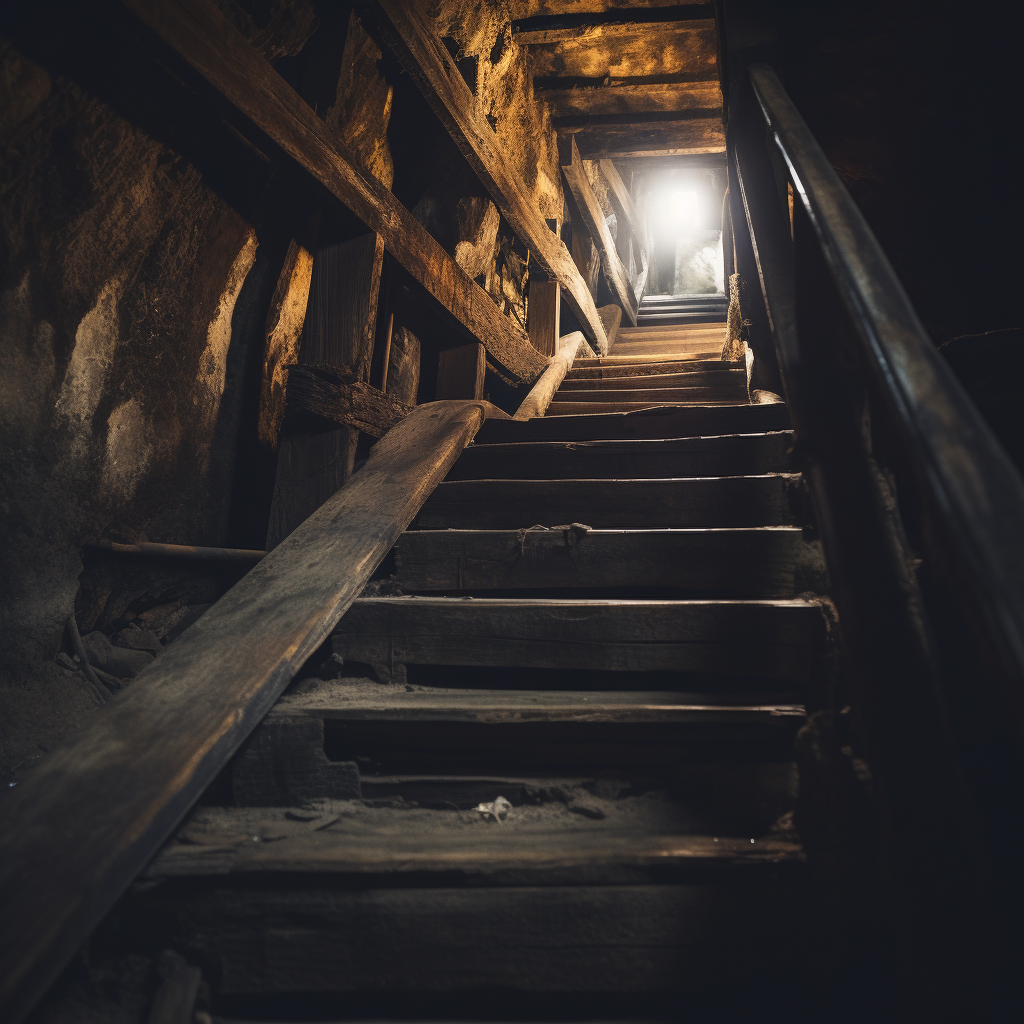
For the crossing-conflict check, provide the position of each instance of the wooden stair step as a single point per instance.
(774, 639)
(342, 837)
(773, 499)
(712, 380)
(727, 455)
(601, 405)
(598, 370)
(761, 562)
(697, 357)
(608, 392)
(654, 424)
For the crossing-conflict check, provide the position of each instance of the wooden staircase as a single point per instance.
(557, 761)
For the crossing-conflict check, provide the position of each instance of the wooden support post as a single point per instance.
(314, 461)
(543, 314)
(460, 372)
(590, 210)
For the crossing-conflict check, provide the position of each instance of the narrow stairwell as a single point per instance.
(558, 760)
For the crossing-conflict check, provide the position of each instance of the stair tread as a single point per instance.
(350, 837)
(366, 699)
(752, 562)
(623, 382)
(733, 392)
(601, 405)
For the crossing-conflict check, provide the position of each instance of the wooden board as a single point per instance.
(583, 408)
(611, 317)
(714, 379)
(649, 423)
(91, 813)
(677, 137)
(520, 9)
(544, 314)
(728, 455)
(762, 562)
(205, 41)
(338, 397)
(590, 210)
(609, 371)
(623, 50)
(431, 67)
(460, 372)
(611, 393)
(541, 394)
(613, 504)
(574, 99)
(771, 639)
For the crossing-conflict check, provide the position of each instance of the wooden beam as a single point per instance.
(203, 39)
(590, 209)
(340, 397)
(521, 9)
(611, 317)
(543, 315)
(581, 98)
(621, 200)
(539, 398)
(684, 137)
(461, 370)
(435, 73)
(95, 810)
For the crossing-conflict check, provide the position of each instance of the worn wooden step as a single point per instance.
(600, 404)
(730, 385)
(661, 423)
(590, 380)
(761, 562)
(725, 455)
(343, 837)
(728, 455)
(774, 639)
(638, 358)
(598, 370)
(769, 500)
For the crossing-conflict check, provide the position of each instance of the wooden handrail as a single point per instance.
(970, 478)
(85, 820)
(541, 394)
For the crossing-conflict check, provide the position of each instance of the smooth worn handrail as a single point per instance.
(969, 478)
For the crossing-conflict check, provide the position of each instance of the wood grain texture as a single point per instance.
(713, 379)
(203, 38)
(338, 396)
(694, 421)
(679, 137)
(773, 639)
(576, 99)
(614, 504)
(728, 455)
(541, 394)
(608, 371)
(432, 68)
(611, 317)
(582, 408)
(775, 562)
(461, 370)
(96, 809)
(617, 393)
(543, 315)
(590, 209)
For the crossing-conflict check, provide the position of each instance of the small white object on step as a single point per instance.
(500, 808)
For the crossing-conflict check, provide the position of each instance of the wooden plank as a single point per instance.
(761, 562)
(341, 316)
(728, 455)
(574, 99)
(91, 814)
(337, 396)
(775, 639)
(543, 315)
(694, 421)
(611, 317)
(611, 393)
(204, 40)
(768, 500)
(363, 700)
(678, 137)
(521, 9)
(432, 69)
(380, 846)
(610, 371)
(621, 200)
(574, 408)
(632, 49)
(541, 394)
(698, 378)
(461, 370)
(692, 938)
(590, 209)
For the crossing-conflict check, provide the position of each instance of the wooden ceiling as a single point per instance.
(627, 81)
